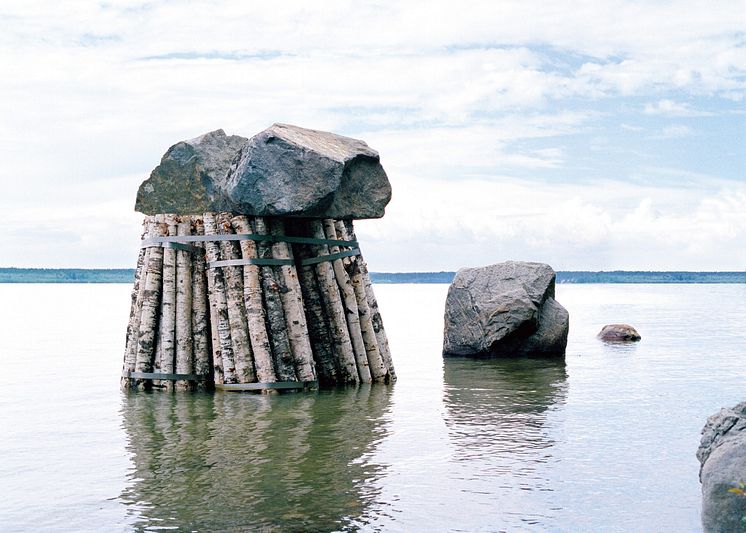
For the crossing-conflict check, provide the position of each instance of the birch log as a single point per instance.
(133, 327)
(167, 342)
(225, 368)
(233, 276)
(292, 302)
(200, 322)
(340, 335)
(375, 314)
(375, 360)
(351, 309)
(184, 342)
(255, 316)
(150, 308)
(318, 322)
(283, 357)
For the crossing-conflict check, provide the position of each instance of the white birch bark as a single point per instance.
(224, 355)
(376, 319)
(377, 366)
(255, 315)
(316, 318)
(184, 342)
(133, 326)
(166, 353)
(329, 290)
(351, 310)
(292, 302)
(281, 352)
(150, 308)
(200, 306)
(233, 276)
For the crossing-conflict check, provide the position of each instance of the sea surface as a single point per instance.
(603, 440)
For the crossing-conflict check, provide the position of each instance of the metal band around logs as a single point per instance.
(154, 241)
(277, 385)
(150, 243)
(164, 377)
(241, 262)
(330, 257)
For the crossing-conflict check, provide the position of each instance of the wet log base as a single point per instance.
(351, 309)
(264, 321)
(150, 308)
(339, 333)
(233, 276)
(133, 326)
(281, 351)
(200, 314)
(375, 314)
(225, 368)
(255, 315)
(184, 333)
(292, 302)
(375, 362)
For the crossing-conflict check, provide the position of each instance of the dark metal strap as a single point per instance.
(247, 237)
(278, 385)
(241, 262)
(330, 257)
(149, 243)
(164, 377)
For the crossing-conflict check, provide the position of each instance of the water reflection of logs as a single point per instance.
(252, 303)
(306, 467)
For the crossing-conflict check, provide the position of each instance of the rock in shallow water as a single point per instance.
(184, 182)
(618, 333)
(290, 171)
(722, 454)
(507, 309)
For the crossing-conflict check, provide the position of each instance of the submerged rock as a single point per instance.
(290, 171)
(507, 309)
(722, 455)
(618, 333)
(185, 181)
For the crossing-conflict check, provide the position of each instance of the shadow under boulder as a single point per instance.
(505, 310)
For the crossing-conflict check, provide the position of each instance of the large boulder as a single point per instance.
(722, 454)
(185, 181)
(507, 309)
(290, 171)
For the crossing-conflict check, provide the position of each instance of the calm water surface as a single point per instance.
(604, 440)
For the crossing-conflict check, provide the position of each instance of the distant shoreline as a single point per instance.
(126, 275)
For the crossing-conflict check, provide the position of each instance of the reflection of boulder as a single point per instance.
(496, 411)
(507, 309)
(722, 453)
(291, 462)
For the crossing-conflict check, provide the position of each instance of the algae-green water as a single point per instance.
(603, 440)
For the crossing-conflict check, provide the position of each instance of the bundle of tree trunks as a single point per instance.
(252, 303)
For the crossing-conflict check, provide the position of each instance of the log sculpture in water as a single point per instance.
(250, 276)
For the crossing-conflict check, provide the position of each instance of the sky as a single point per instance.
(590, 135)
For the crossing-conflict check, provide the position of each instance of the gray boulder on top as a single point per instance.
(722, 454)
(507, 309)
(184, 182)
(290, 171)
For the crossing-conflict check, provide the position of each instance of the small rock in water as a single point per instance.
(722, 455)
(619, 333)
(290, 171)
(502, 310)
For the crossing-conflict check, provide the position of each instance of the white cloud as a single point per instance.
(674, 109)
(92, 94)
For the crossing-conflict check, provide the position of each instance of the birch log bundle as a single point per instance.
(232, 300)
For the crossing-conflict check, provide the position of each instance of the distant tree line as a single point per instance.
(127, 275)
